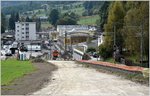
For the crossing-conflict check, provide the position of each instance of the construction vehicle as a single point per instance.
(55, 54)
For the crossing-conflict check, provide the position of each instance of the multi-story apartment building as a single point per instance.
(25, 31)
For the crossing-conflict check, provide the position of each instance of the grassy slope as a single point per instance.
(45, 25)
(78, 11)
(12, 69)
(88, 20)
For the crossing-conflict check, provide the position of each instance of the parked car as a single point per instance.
(8, 52)
(95, 55)
(55, 54)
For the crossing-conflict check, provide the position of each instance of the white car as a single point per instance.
(8, 52)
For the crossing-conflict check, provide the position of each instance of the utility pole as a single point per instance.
(97, 46)
(114, 35)
(115, 46)
(141, 43)
(65, 40)
(98, 37)
(31, 47)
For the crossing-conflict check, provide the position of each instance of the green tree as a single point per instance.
(68, 19)
(22, 19)
(13, 18)
(38, 24)
(3, 23)
(17, 17)
(137, 15)
(115, 19)
(12, 21)
(103, 13)
(28, 19)
(74, 16)
(105, 52)
(54, 16)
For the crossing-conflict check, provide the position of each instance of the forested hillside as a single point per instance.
(130, 22)
(85, 12)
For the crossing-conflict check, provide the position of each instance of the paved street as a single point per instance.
(72, 79)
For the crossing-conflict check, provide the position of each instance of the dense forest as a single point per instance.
(21, 6)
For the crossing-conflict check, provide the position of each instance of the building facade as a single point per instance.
(71, 28)
(25, 31)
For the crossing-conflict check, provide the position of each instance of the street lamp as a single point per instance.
(98, 36)
(65, 40)
(114, 31)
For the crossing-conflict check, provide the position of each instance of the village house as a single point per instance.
(74, 34)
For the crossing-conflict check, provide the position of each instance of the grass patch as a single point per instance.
(45, 25)
(111, 60)
(88, 20)
(78, 11)
(12, 69)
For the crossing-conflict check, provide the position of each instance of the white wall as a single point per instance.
(62, 28)
(32, 31)
(100, 40)
(17, 34)
(21, 35)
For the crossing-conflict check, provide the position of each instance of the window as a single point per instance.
(17, 26)
(22, 24)
(17, 30)
(22, 37)
(27, 28)
(27, 32)
(27, 24)
(22, 28)
(17, 34)
(22, 32)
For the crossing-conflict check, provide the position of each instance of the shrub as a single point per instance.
(104, 51)
(91, 50)
(128, 62)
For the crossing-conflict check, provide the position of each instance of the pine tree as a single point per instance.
(137, 15)
(115, 19)
(3, 24)
(54, 16)
(17, 17)
(12, 21)
(28, 19)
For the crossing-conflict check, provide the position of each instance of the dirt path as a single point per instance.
(72, 79)
(31, 82)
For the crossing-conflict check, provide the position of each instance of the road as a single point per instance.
(72, 79)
